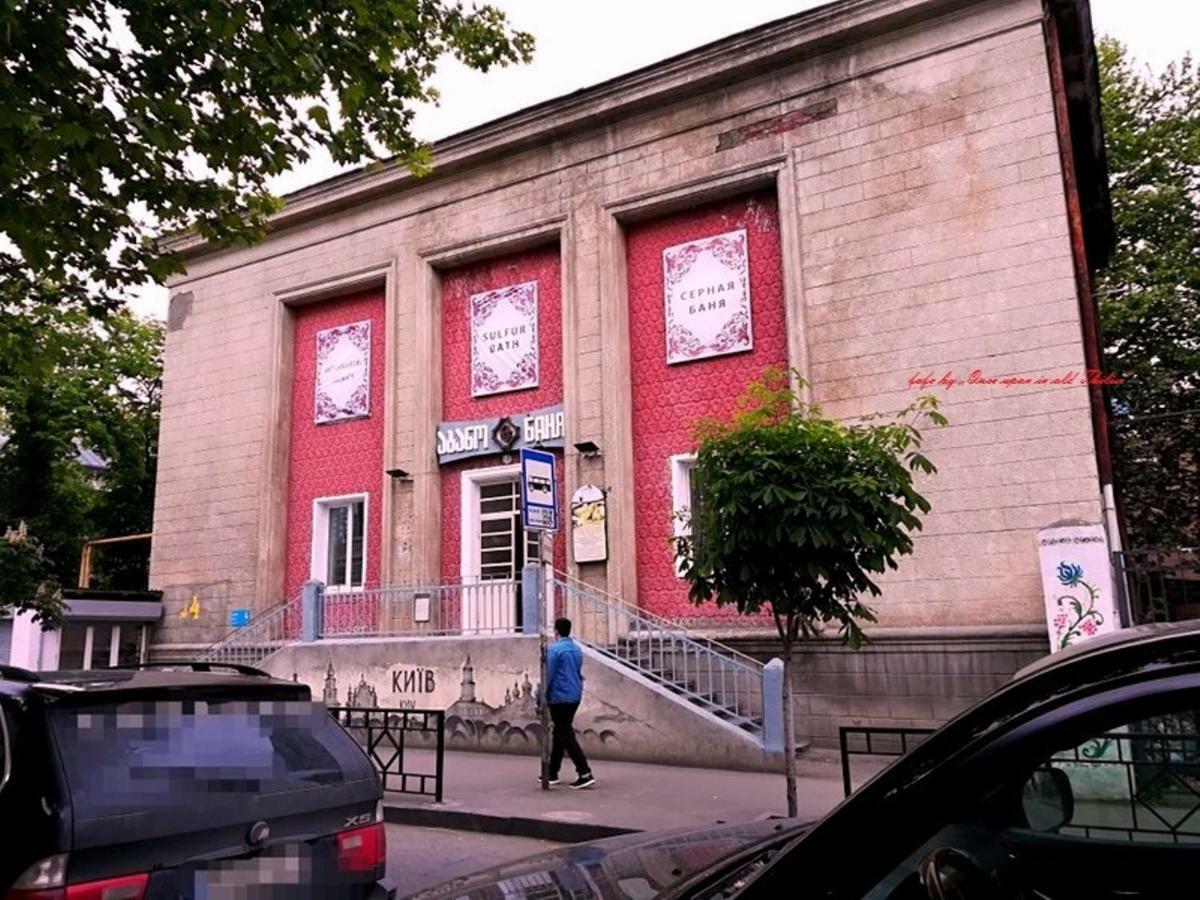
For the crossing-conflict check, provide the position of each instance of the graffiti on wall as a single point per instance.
(470, 721)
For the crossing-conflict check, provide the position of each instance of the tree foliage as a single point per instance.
(25, 577)
(799, 513)
(1150, 293)
(89, 385)
(124, 120)
(795, 514)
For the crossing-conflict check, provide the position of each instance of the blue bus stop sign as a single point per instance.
(539, 490)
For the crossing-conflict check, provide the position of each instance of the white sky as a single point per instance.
(583, 42)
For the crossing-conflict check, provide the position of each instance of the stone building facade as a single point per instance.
(907, 188)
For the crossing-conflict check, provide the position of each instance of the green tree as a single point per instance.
(796, 515)
(90, 385)
(1150, 293)
(25, 580)
(124, 120)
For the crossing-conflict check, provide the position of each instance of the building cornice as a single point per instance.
(726, 61)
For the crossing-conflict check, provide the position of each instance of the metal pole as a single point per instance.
(844, 746)
(441, 755)
(543, 627)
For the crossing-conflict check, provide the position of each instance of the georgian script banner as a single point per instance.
(343, 373)
(485, 437)
(706, 288)
(504, 339)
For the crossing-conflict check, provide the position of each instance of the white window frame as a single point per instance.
(681, 498)
(114, 643)
(319, 559)
(472, 480)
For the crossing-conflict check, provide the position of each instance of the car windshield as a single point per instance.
(138, 754)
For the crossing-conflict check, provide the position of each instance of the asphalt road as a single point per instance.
(422, 857)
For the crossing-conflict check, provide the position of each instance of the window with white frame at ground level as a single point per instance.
(100, 644)
(339, 541)
(685, 498)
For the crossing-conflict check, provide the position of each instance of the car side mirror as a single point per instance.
(1047, 800)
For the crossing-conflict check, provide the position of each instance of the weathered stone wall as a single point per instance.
(923, 230)
(918, 680)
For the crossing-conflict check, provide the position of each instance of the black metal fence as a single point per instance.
(1138, 784)
(1135, 785)
(385, 734)
(856, 740)
(1159, 584)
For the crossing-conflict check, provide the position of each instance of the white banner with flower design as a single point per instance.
(343, 388)
(1080, 597)
(1077, 582)
(706, 290)
(504, 339)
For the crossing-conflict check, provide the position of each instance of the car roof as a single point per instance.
(154, 678)
(1158, 635)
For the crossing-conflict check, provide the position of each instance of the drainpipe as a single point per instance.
(1088, 313)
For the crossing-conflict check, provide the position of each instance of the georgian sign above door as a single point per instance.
(507, 434)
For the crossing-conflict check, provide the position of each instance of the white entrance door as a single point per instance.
(494, 550)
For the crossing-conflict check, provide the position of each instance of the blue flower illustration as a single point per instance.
(1070, 573)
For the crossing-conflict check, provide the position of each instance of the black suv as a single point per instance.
(192, 781)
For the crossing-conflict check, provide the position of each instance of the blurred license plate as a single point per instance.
(285, 873)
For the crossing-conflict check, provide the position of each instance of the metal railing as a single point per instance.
(385, 735)
(486, 607)
(251, 644)
(855, 740)
(713, 676)
(1160, 584)
(1138, 786)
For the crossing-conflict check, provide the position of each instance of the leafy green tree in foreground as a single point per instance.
(124, 120)
(1150, 293)
(91, 385)
(797, 514)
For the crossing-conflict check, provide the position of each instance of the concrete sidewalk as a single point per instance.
(498, 793)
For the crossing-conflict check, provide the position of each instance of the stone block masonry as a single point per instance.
(908, 152)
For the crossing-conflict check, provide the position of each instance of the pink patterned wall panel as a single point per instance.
(541, 265)
(668, 399)
(340, 457)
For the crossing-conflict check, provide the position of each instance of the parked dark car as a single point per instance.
(182, 782)
(1078, 780)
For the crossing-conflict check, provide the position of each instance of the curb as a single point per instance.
(514, 826)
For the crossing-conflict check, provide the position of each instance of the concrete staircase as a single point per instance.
(715, 679)
(268, 632)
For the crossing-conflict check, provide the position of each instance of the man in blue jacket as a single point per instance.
(564, 690)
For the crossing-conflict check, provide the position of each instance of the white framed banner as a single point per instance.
(504, 339)
(343, 389)
(1077, 583)
(706, 292)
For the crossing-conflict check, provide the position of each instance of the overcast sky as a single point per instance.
(583, 42)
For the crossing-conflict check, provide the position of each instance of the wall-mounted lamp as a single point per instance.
(399, 474)
(588, 449)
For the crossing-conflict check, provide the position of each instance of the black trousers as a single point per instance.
(563, 717)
